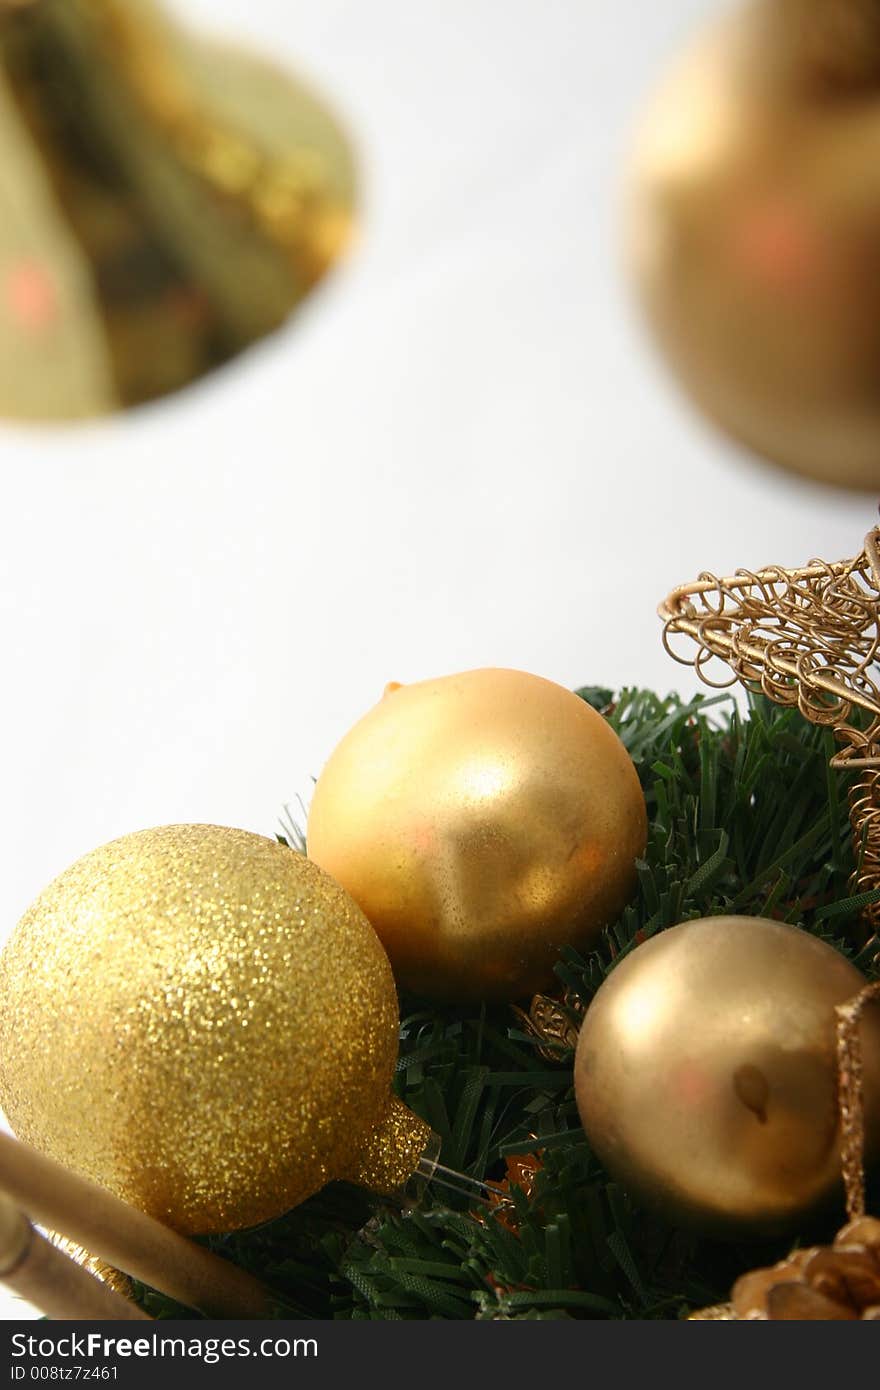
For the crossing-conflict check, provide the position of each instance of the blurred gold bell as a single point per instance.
(753, 231)
(165, 203)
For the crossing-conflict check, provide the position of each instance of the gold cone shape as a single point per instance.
(165, 203)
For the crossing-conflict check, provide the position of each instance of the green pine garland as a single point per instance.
(745, 817)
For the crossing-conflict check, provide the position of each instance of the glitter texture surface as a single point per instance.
(201, 1020)
(390, 1154)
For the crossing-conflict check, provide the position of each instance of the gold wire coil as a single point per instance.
(808, 639)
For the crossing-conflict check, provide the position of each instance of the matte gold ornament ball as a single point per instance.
(203, 1022)
(753, 231)
(706, 1074)
(482, 821)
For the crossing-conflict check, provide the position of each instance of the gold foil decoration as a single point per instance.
(806, 638)
(522, 1173)
(553, 1022)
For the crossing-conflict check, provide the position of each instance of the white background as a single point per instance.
(462, 453)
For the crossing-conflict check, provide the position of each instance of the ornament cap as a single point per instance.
(399, 1150)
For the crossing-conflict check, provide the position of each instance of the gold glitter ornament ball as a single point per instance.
(706, 1074)
(204, 1022)
(483, 821)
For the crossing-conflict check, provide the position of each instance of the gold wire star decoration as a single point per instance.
(807, 638)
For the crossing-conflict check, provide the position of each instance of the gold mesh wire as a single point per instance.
(808, 639)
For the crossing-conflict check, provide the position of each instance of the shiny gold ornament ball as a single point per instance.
(706, 1075)
(753, 231)
(482, 821)
(202, 1021)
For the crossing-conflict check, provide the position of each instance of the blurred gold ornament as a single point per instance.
(203, 1022)
(753, 231)
(170, 201)
(706, 1078)
(807, 638)
(482, 821)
